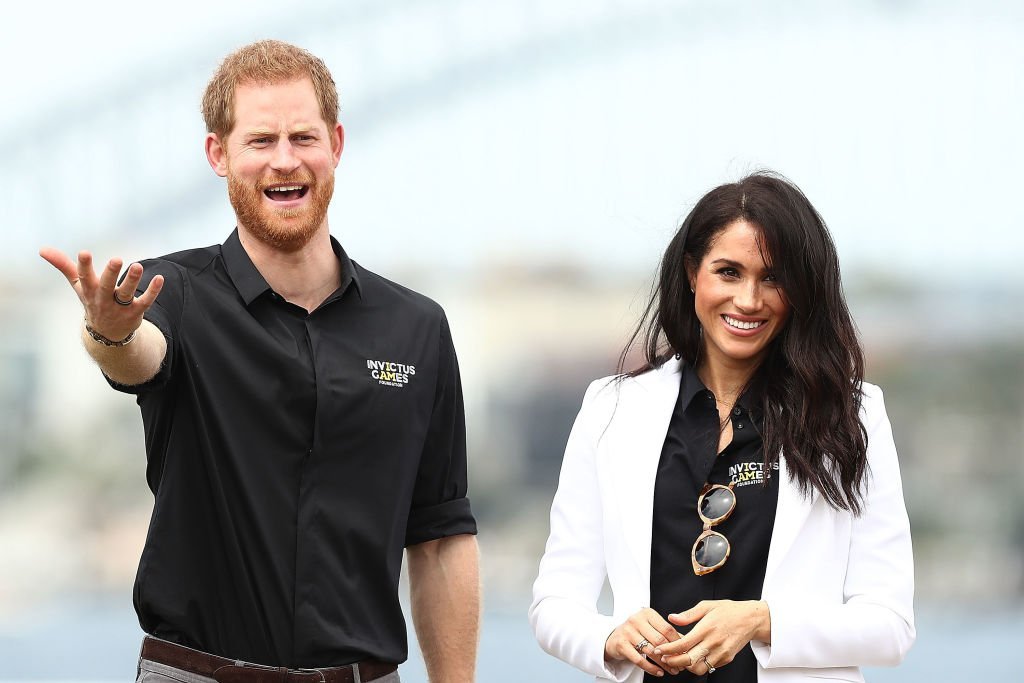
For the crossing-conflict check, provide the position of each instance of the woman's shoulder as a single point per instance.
(622, 386)
(871, 397)
(870, 391)
(872, 405)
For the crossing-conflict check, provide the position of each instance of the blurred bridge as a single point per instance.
(106, 164)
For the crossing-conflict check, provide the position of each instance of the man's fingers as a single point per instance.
(149, 296)
(108, 276)
(85, 272)
(125, 292)
(61, 262)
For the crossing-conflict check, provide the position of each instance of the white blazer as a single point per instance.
(839, 588)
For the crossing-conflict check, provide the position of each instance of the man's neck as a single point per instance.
(305, 277)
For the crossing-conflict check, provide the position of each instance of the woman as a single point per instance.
(740, 490)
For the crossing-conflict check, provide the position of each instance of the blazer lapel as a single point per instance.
(790, 514)
(642, 424)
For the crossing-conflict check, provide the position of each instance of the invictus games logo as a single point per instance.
(747, 473)
(390, 374)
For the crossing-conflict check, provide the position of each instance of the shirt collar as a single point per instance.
(692, 386)
(250, 283)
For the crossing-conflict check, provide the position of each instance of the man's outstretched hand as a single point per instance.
(113, 312)
(100, 295)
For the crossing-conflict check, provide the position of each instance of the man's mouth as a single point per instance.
(739, 324)
(286, 193)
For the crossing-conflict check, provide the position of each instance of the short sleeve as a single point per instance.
(165, 314)
(439, 504)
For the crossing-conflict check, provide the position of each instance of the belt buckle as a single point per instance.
(244, 672)
(318, 672)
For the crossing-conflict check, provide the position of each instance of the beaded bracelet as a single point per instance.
(99, 338)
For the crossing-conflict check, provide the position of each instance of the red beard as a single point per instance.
(285, 229)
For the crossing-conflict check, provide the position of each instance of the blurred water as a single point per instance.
(100, 642)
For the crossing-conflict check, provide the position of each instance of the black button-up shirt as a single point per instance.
(688, 461)
(293, 456)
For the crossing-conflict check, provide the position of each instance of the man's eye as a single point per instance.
(260, 141)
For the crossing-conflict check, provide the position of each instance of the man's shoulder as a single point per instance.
(379, 288)
(189, 260)
(178, 270)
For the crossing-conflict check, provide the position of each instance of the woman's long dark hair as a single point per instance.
(808, 387)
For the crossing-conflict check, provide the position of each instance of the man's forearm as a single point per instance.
(134, 363)
(444, 579)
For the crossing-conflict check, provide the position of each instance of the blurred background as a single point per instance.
(525, 163)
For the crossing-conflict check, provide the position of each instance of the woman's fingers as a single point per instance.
(680, 661)
(626, 645)
(699, 659)
(656, 632)
(636, 639)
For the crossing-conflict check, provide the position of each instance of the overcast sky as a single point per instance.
(574, 132)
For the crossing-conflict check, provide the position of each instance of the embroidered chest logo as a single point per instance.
(390, 374)
(747, 473)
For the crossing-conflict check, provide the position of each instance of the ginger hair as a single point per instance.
(266, 62)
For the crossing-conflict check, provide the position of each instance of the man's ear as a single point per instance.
(216, 155)
(337, 142)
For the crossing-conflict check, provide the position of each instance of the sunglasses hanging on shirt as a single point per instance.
(711, 549)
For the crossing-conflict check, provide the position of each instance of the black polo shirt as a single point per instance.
(293, 456)
(688, 461)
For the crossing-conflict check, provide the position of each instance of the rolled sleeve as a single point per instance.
(450, 518)
(165, 314)
(439, 504)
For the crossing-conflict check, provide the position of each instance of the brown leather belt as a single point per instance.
(224, 670)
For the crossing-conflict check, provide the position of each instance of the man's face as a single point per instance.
(279, 161)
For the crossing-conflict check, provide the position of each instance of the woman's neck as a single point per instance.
(725, 380)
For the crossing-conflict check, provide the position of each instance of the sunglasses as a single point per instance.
(711, 549)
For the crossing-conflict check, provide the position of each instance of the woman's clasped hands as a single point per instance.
(721, 628)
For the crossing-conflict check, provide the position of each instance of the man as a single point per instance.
(303, 418)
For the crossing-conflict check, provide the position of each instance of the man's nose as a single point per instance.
(284, 160)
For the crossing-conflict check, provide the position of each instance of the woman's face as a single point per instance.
(738, 302)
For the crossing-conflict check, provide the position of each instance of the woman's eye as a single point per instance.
(728, 272)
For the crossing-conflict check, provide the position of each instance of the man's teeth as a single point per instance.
(285, 188)
(742, 325)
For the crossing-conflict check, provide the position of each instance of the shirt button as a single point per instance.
(739, 425)
(736, 411)
(710, 395)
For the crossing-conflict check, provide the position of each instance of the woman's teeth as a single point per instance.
(733, 322)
